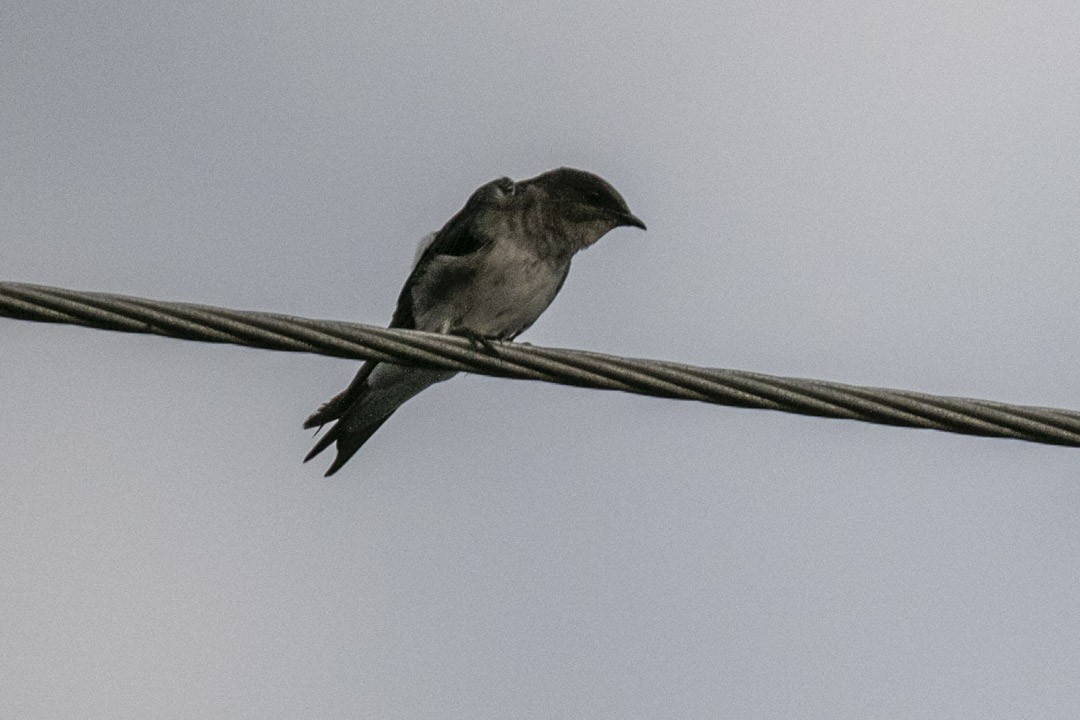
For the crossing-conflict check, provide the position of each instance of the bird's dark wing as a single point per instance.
(457, 238)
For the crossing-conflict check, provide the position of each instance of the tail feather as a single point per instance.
(364, 406)
(324, 442)
(349, 444)
(329, 411)
(344, 410)
(337, 406)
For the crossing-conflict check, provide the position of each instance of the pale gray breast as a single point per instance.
(497, 292)
(514, 286)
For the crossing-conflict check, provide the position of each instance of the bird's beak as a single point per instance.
(631, 220)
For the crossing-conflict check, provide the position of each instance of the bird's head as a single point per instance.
(586, 203)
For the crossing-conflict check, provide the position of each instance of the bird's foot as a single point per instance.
(479, 342)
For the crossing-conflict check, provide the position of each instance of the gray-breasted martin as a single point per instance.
(487, 275)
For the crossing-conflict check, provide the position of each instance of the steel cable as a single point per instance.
(518, 360)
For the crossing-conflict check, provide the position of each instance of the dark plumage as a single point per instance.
(488, 274)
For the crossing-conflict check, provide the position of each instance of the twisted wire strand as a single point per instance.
(517, 360)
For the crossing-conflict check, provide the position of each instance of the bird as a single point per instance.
(487, 275)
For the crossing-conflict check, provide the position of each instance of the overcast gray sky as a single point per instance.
(884, 193)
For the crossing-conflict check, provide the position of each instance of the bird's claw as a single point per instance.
(480, 343)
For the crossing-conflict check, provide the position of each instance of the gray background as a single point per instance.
(882, 193)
